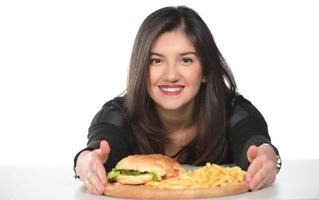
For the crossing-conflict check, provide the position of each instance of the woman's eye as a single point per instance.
(187, 60)
(155, 61)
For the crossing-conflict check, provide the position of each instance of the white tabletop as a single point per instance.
(298, 179)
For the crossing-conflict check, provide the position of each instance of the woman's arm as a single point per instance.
(247, 132)
(108, 131)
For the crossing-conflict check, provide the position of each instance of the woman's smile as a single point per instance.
(171, 90)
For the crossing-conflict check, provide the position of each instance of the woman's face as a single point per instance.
(175, 73)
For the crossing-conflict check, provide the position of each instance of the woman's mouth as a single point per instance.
(171, 90)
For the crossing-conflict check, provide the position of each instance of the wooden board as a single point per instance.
(148, 192)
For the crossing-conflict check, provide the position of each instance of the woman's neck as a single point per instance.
(175, 120)
(180, 127)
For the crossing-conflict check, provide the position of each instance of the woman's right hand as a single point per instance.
(90, 168)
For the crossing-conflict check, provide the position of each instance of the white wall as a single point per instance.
(61, 60)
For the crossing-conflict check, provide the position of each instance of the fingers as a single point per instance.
(252, 153)
(89, 186)
(257, 177)
(265, 176)
(94, 174)
(92, 185)
(262, 168)
(93, 182)
(104, 150)
(101, 174)
(253, 168)
(103, 155)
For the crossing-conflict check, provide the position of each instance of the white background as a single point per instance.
(61, 60)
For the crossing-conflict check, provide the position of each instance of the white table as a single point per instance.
(298, 179)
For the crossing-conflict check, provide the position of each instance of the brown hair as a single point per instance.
(210, 103)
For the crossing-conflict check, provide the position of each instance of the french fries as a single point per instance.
(209, 176)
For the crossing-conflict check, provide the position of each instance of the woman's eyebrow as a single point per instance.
(182, 54)
(190, 52)
(156, 54)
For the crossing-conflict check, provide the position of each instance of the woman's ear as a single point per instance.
(204, 79)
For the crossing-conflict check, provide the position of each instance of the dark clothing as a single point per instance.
(246, 126)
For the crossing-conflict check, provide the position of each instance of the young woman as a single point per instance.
(181, 101)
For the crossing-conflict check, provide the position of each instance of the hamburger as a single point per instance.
(140, 169)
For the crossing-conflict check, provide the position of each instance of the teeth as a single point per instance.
(172, 89)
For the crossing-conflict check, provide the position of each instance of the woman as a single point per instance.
(181, 101)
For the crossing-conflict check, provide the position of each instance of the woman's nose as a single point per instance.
(171, 73)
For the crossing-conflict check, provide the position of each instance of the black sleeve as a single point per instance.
(247, 127)
(110, 124)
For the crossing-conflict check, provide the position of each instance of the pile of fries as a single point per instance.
(209, 176)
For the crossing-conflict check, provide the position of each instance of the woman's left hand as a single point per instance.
(262, 169)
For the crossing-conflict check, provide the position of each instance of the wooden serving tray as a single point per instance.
(149, 192)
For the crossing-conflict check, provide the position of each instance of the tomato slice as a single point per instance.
(173, 174)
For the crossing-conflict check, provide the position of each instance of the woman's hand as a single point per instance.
(262, 169)
(91, 170)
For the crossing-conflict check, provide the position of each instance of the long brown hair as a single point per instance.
(210, 142)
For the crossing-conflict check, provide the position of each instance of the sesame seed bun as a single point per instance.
(153, 163)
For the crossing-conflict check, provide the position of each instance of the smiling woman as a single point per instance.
(181, 101)
(175, 73)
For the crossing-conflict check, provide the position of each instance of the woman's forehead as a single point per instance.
(173, 42)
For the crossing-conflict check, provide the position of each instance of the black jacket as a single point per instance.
(246, 126)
